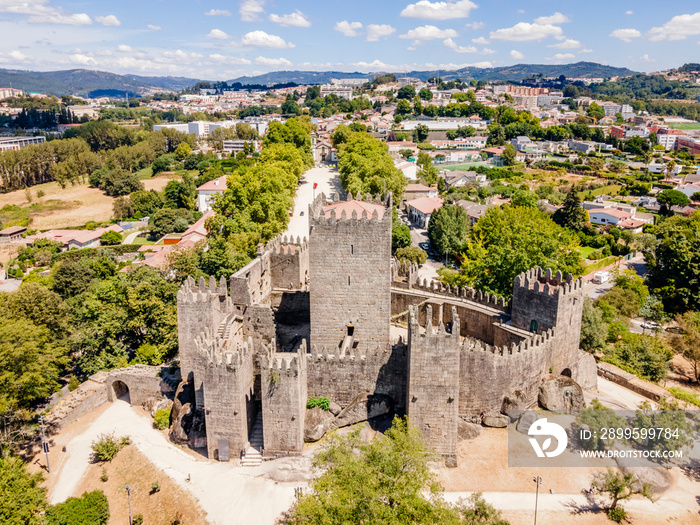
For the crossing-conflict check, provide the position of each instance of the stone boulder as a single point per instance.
(514, 404)
(587, 371)
(289, 470)
(159, 405)
(335, 409)
(525, 421)
(561, 394)
(365, 406)
(467, 429)
(316, 422)
(658, 477)
(187, 423)
(495, 420)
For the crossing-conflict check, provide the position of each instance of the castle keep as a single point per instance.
(255, 348)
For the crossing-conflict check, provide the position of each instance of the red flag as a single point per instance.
(315, 185)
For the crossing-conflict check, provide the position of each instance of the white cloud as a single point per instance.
(586, 50)
(523, 31)
(153, 28)
(487, 51)
(474, 25)
(218, 12)
(295, 19)
(429, 33)
(124, 48)
(273, 62)
(262, 39)
(567, 44)
(556, 18)
(348, 28)
(18, 56)
(457, 48)
(646, 58)
(559, 57)
(521, 11)
(377, 31)
(81, 59)
(372, 66)
(626, 35)
(221, 59)
(438, 10)
(630, 12)
(109, 20)
(42, 12)
(481, 40)
(678, 28)
(517, 55)
(251, 10)
(218, 34)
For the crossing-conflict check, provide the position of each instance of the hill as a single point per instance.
(516, 72)
(84, 82)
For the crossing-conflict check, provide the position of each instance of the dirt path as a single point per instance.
(229, 494)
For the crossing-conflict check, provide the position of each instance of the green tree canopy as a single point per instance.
(21, 494)
(448, 229)
(572, 215)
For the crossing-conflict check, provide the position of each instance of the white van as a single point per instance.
(601, 277)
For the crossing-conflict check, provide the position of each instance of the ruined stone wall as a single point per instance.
(284, 393)
(252, 284)
(350, 277)
(342, 377)
(143, 381)
(228, 385)
(289, 262)
(433, 383)
(199, 306)
(488, 374)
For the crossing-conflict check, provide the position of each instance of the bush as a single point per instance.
(73, 383)
(138, 520)
(155, 487)
(617, 514)
(161, 419)
(322, 402)
(685, 395)
(40, 194)
(104, 477)
(110, 238)
(411, 254)
(106, 447)
(92, 508)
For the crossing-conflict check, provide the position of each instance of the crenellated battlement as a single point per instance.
(217, 352)
(319, 213)
(284, 364)
(465, 293)
(202, 291)
(544, 282)
(431, 331)
(536, 343)
(375, 353)
(287, 245)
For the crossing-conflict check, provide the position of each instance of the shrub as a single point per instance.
(322, 402)
(155, 487)
(685, 395)
(73, 383)
(40, 194)
(104, 477)
(411, 254)
(110, 238)
(107, 446)
(92, 508)
(161, 420)
(138, 520)
(617, 514)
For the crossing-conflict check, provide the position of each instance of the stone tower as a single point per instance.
(432, 402)
(542, 301)
(350, 286)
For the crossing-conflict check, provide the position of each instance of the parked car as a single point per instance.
(651, 325)
(424, 246)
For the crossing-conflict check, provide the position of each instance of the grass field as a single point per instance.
(611, 189)
(600, 264)
(460, 167)
(586, 251)
(140, 241)
(685, 126)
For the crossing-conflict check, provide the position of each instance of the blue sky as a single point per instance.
(220, 40)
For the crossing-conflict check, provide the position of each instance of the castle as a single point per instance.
(256, 348)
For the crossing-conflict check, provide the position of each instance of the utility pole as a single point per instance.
(44, 444)
(128, 495)
(538, 482)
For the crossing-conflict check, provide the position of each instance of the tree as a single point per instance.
(425, 94)
(509, 155)
(572, 215)
(146, 203)
(386, 481)
(122, 209)
(420, 133)
(183, 151)
(404, 107)
(448, 229)
(110, 238)
(643, 355)
(162, 163)
(595, 111)
(670, 198)
(119, 182)
(674, 263)
(406, 153)
(71, 278)
(22, 499)
(411, 254)
(170, 220)
(594, 330)
(92, 508)
(619, 486)
(510, 240)
(524, 198)
(687, 342)
(406, 93)
(400, 233)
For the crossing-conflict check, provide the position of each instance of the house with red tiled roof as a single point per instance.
(76, 238)
(208, 190)
(197, 231)
(607, 216)
(420, 209)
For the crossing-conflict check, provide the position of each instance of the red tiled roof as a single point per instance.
(214, 185)
(198, 227)
(615, 213)
(354, 205)
(425, 205)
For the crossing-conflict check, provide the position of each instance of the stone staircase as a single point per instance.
(253, 452)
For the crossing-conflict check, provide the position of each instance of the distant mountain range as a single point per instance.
(516, 72)
(88, 83)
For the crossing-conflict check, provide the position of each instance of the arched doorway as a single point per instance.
(566, 372)
(121, 391)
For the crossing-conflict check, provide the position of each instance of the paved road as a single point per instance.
(328, 183)
(229, 494)
(129, 239)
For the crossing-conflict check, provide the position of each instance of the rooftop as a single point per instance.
(425, 205)
(214, 185)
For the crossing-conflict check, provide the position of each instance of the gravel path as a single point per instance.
(229, 494)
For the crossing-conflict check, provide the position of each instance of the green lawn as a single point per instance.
(586, 251)
(612, 190)
(140, 241)
(145, 173)
(599, 264)
(461, 167)
(685, 126)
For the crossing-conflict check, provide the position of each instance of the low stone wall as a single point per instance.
(89, 395)
(632, 382)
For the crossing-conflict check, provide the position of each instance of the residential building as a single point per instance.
(75, 238)
(12, 234)
(9, 92)
(16, 143)
(349, 82)
(197, 232)
(207, 191)
(338, 91)
(236, 146)
(416, 191)
(459, 179)
(474, 210)
(467, 143)
(408, 168)
(420, 209)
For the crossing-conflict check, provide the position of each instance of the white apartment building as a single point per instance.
(16, 143)
(338, 91)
